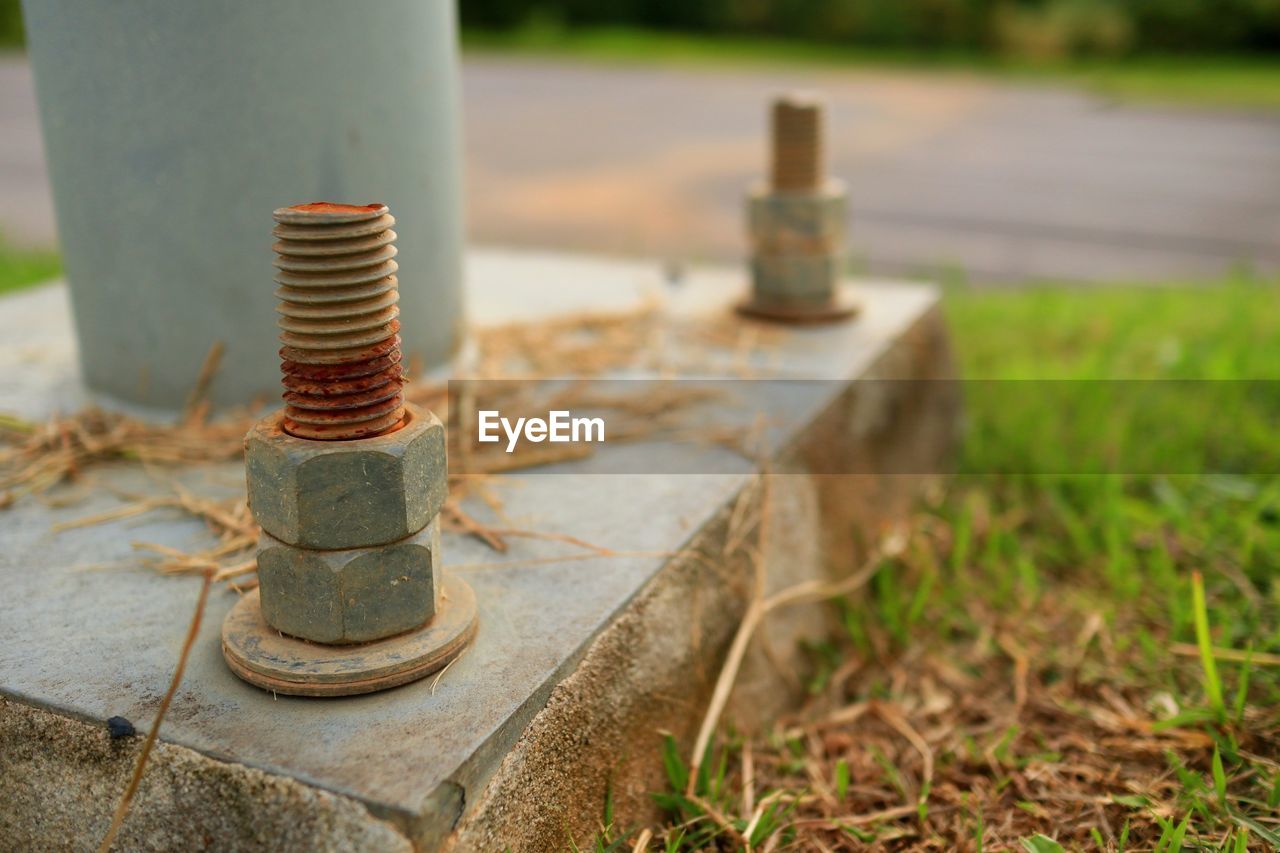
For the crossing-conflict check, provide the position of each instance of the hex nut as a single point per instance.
(346, 494)
(795, 279)
(352, 596)
(795, 223)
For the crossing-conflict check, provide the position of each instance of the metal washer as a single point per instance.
(841, 307)
(265, 658)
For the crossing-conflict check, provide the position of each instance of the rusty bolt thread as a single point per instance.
(338, 294)
(798, 153)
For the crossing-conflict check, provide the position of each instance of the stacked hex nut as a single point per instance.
(797, 240)
(346, 481)
(797, 221)
(351, 540)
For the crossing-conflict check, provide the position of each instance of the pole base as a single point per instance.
(841, 306)
(265, 658)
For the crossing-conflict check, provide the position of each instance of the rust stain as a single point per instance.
(323, 207)
(341, 359)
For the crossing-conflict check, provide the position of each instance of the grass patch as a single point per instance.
(1186, 330)
(1252, 82)
(1095, 663)
(20, 267)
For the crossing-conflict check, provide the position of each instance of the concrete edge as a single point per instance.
(59, 770)
(652, 669)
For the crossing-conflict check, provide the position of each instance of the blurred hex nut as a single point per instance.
(797, 279)
(352, 596)
(797, 244)
(347, 494)
(785, 222)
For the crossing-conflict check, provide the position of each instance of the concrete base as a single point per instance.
(578, 665)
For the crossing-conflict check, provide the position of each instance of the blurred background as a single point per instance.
(1039, 28)
(984, 140)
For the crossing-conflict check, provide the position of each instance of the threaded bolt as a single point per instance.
(338, 294)
(798, 164)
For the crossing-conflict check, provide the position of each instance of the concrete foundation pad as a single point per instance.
(579, 661)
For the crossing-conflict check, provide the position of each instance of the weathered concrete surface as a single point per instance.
(62, 775)
(576, 661)
(651, 671)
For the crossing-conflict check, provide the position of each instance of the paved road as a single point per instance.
(947, 172)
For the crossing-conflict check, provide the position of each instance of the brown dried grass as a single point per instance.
(36, 457)
(1032, 720)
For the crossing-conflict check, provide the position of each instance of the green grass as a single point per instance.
(21, 267)
(1121, 590)
(1114, 531)
(1180, 330)
(1198, 341)
(1203, 81)
(11, 35)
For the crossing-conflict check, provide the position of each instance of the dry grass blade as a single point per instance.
(564, 558)
(128, 511)
(196, 409)
(560, 537)
(642, 841)
(117, 819)
(738, 648)
(247, 567)
(458, 518)
(581, 344)
(859, 819)
(525, 458)
(1233, 655)
(757, 609)
(229, 520)
(721, 821)
(64, 448)
(842, 717)
(895, 719)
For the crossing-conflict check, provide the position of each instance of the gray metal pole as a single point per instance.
(173, 130)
